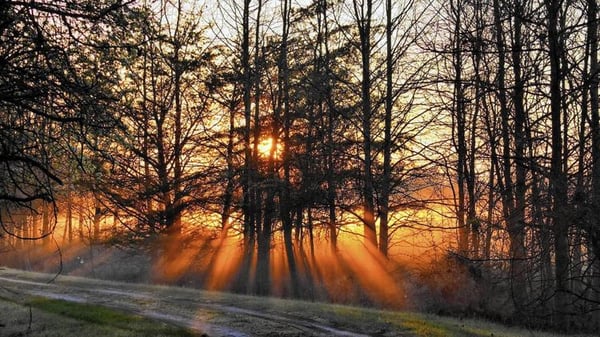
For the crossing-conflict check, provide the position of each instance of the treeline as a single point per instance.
(274, 120)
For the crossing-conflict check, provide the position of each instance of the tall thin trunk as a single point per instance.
(230, 185)
(248, 166)
(176, 225)
(516, 222)
(472, 219)
(263, 226)
(494, 177)
(363, 16)
(558, 179)
(147, 180)
(80, 222)
(537, 217)
(311, 236)
(459, 126)
(387, 137)
(96, 220)
(69, 213)
(490, 215)
(505, 184)
(298, 225)
(326, 96)
(69, 210)
(35, 222)
(285, 202)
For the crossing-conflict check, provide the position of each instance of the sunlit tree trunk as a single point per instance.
(247, 83)
(247, 178)
(35, 222)
(324, 68)
(363, 11)
(146, 126)
(285, 202)
(175, 213)
(230, 184)
(387, 137)
(494, 180)
(512, 217)
(17, 228)
(311, 235)
(80, 221)
(68, 230)
(257, 195)
(69, 211)
(159, 118)
(473, 221)
(298, 225)
(273, 187)
(263, 226)
(459, 127)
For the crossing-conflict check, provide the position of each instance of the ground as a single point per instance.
(74, 306)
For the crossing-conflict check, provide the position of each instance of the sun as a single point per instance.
(265, 147)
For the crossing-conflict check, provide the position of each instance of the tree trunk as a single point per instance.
(459, 127)
(96, 220)
(263, 226)
(516, 222)
(298, 225)
(230, 185)
(247, 174)
(558, 179)
(473, 221)
(387, 137)
(286, 200)
(35, 223)
(69, 212)
(175, 225)
(311, 237)
(324, 68)
(364, 28)
(45, 222)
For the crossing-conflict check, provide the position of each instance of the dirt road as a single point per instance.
(214, 314)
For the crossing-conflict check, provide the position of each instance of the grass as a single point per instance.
(41, 317)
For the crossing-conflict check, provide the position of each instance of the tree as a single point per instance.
(54, 84)
(157, 151)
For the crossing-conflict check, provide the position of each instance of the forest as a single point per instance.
(439, 156)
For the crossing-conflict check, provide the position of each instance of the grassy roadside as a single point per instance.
(40, 317)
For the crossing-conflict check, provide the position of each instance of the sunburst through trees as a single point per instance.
(423, 154)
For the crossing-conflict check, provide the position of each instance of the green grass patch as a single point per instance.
(420, 326)
(105, 317)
